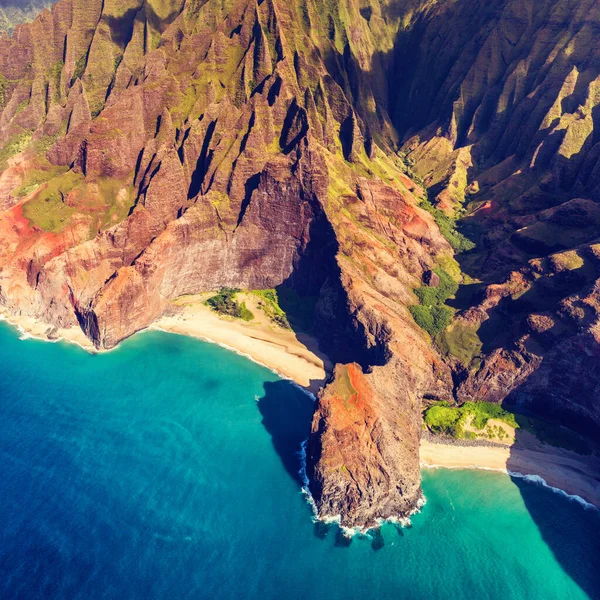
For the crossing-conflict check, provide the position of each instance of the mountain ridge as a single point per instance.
(14, 12)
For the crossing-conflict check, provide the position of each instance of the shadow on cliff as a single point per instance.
(571, 531)
(438, 67)
(287, 414)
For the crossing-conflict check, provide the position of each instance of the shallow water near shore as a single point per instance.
(168, 468)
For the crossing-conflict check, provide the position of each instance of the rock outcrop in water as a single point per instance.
(156, 148)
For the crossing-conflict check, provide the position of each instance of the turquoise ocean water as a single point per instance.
(168, 469)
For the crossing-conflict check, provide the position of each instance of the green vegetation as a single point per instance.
(460, 341)
(299, 310)
(269, 303)
(118, 198)
(444, 418)
(13, 146)
(3, 90)
(431, 296)
(42, 145)
(22, 106)
(451, 420)
(483, 411)
(48, 210)
(34, 178)
(344, 389)
(447, 226)
(431, 315)
(225, 303)
(433, 319)
(54, 79)
(79, 68)
(491, 432)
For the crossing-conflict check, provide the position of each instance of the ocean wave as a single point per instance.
(537, 480)
(26, 335)
(534, 479)
(336, 519)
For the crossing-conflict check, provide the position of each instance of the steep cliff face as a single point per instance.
(500, 116)
(154, 149)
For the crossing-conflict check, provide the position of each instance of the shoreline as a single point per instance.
(306, 390)
(289, 355)
(30, 328)
(293, 356)
(576, 476)
(296, 358)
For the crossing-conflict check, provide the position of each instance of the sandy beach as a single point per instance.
(296, 357)
(292, 355)
(32, 328)
(575, 474)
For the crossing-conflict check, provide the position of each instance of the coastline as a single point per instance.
(577, 476)
(293, 356)
(296, 357)
(29, 327)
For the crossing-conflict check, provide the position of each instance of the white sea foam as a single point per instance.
(537, 480)
(534, 479)
(331, 519)
(26, 335)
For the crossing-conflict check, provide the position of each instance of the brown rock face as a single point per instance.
(499, 117)
(361, 448)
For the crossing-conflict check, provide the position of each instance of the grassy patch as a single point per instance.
(54, 77)
(118, 198)
(14, 145)
(36, 177)
(433, 319)
(431, 315)
(48, 210)
(22, 106)
(225, 303)
(483, 411)
(79, 69)
(430, 296)
(269, 303)
(566, 261)
(4, 86)
(458, 241)
(44, 144)
(460, 341)
(343, 387)
(451, 420)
